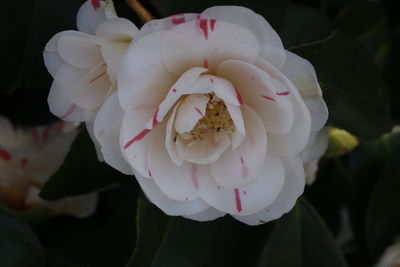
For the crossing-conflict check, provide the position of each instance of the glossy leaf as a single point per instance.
(351, 84)
(383, 212)
(301, 238)
(18, 244)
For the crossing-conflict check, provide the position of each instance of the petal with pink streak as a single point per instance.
(251, 198)
(207, 43)
(240, 167)
(293, 188)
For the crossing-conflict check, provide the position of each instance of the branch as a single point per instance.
(140, 10)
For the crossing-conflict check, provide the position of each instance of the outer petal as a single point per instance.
(207, 43)
(93, 89)
(113, 53)
(164, 24)
(107, 127)
(296, 140)
(142, 69)
(291, 190)
(60, 98)
(180, 183)
(318, 111)
(271, 47)
(167, 205)
(251, 198)
(92, 13)
(116, 30)
(316, 146)
(261, 93)
(241, 167)
(79, 52)
(302, 74)
(207, 215)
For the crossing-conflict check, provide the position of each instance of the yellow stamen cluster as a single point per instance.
(216, 119)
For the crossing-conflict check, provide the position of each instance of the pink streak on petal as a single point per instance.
(203, 26)
(238, 201)
(137, 138)
(174, 90)
(195, 181)
(205, 63)
(24, 162)
(212, 24)
(178, 19)
(199, 111)
(269, 98)
(244, 170)
(244, 192)
(5, 155)
(149, 173)
(239, 97)
(283, 93)
(59, 125)
(97, 77)
(70, 110)
(155, 121)
(212, 80)
(95, 4)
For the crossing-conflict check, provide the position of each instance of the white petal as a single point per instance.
(52, 44)
(271, 47)
(207, 43)
(90, 115)
(92, 13)
(302, 74)
(180, 87)
(183, 182)
(192, 109)
(142, 69)
(113, 53)
(240, 167)
(60, 98)
(52, 62)
(204, 151)
(167, 205)
(134, 137)
(293, 187)
(209, 214)
(316, 147)
(169, 139)
(294, 142)
(79, 52)
(260, 92)
(251, 198)
(318, 111)
(164, 24)
(79, 206)
(107, 127)
(116, 30)
(93, 89)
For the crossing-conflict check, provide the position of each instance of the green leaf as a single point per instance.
(351, 84)
(81, 172)
(166, 241)
(30, 24)
(383, 212)
(367, 22)
(18, 244)
(301, 238)
(120, 229)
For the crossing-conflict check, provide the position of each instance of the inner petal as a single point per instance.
(190, 112)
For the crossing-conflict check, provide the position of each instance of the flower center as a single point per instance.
(217, 119)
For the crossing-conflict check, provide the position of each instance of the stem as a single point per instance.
(140, 10)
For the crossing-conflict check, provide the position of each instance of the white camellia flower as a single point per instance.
(391, 256)
(27, 159)
(85, 63)
(213, 116)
